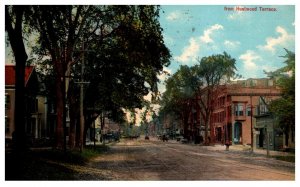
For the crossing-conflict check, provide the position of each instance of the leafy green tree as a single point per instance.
(212, 71)
(196, 87)
(284, 107)
(59, 30)
(127, 63)
(128, 52)
(178, 98)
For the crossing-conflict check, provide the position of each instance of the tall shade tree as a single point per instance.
(179, 95)
(284, 108)
(212, 71)
(14, 19)
(60, 29)
(121, 46)
(195, 87)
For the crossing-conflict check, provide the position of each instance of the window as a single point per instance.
(6, 124)
(239, 110)
(249, 111)
(7, 101)
(263, 109)
(270, 83)
(253, 82)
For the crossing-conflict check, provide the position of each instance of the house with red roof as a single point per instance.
(33, 117)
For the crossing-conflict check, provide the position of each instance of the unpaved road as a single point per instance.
(157, 160)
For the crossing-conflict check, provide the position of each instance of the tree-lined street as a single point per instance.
(149, 92)
(157, 160)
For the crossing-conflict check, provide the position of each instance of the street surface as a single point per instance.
(156, 160)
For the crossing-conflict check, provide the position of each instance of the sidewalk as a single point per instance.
(246, 148)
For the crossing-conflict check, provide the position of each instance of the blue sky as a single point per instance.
(254, 38)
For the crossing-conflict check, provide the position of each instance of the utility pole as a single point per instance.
(81, 101)
(251, 110)
(65, 91)
(64, 112)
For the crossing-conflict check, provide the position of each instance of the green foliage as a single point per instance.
(124, 66)
(284, 108)
(286, 158)
(179, 87)
(124, 51)
(215, 69)
(187, 81)
(200, 80)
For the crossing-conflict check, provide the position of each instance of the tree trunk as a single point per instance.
(86, 128)
(73, 112)
(206, 142)
(59, 106)
(72, 128)
(16, 40)
(77, 137)
(20, 132)
(185, 126)
(102, 123)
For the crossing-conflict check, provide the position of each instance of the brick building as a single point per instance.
(235, 106)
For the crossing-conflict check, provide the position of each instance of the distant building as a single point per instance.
(266, 134)
(110, 127)
(235, 107)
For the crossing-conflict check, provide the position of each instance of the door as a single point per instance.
(238, 132)
(261, 138)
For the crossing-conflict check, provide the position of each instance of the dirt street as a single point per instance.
(157, 160)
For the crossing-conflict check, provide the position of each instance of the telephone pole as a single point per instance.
(81, 101)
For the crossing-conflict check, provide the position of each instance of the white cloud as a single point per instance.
(189, 52)
(161, 88)
(282, 40)
(249, 58)
(231, 44)
(174, 16)
(206, 38)
(163, 76)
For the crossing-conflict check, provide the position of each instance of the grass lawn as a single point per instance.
(47, 164)
(290, 158)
